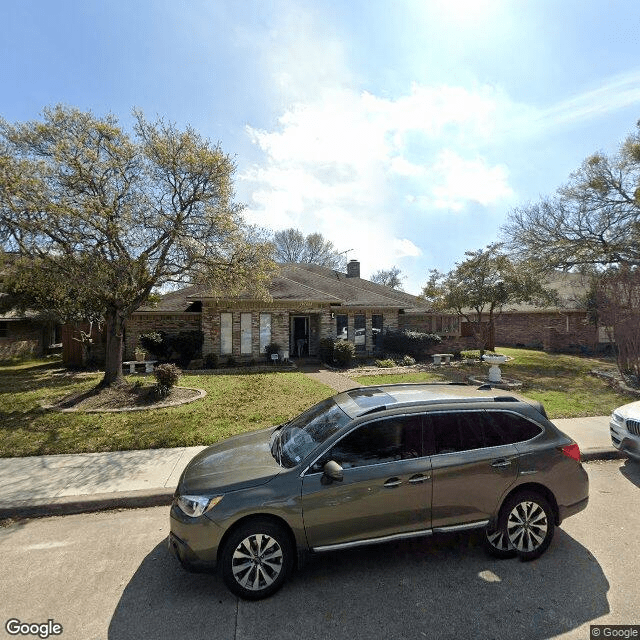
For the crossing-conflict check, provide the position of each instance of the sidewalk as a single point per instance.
(64, 484)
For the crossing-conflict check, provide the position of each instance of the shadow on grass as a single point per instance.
(441, 587)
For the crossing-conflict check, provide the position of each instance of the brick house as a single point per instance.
(307, 303)
(24, 333)
(565, 327)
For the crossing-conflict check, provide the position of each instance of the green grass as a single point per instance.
(238, 403)
(563, 383)
(234, 404)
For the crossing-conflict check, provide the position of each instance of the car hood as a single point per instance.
(631, 410)
(236, 463)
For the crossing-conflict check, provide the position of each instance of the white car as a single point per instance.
(625, 429)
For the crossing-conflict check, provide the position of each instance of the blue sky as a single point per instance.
(402, 130)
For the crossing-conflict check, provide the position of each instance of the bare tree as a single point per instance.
(617, 301)
(389, 277)
(291, 245)
(593, 220)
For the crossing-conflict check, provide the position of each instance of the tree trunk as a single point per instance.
(114, 323)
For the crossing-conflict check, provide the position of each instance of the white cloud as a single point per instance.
(349, 157)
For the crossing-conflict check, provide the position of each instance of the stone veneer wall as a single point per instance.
(321, 325)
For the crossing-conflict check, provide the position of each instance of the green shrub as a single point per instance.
(326, 350)
(470, 355)
(187, 344)
(272, 348)
(416, 344)
(343, 352)
(167, 376)
(211, 361)
(407, 361)
(385, 364)
(157, 343)
(231, 362)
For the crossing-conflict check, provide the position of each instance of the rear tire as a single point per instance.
(257, 559)
(528, 520)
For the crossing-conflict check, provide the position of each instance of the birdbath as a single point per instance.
(495, 375)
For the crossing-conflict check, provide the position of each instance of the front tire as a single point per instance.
(528, 520)
(497, 544)
(257, 559)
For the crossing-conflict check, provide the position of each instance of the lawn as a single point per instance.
(563, 383)
(234, 403)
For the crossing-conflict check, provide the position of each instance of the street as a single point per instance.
(109, 576)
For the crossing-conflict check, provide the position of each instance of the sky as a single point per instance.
(404, 131)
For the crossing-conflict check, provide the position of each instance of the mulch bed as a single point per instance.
(124, 397)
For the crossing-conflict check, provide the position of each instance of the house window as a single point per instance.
(265, 331)
(342, 323)
(4, 329)
(376, 330)
(245, 334)
(359, 325)
(226, 334)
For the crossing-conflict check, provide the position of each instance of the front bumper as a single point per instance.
(193, 541)
(624, 441)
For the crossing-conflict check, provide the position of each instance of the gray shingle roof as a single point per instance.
(308, 282)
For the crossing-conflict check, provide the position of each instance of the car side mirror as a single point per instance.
(333, 471)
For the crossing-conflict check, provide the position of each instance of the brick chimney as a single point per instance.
(353, 269)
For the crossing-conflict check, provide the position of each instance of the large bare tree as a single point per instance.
(107, 216)
(291, 245)
(592, 220)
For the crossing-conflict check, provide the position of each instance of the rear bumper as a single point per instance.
(569, 510)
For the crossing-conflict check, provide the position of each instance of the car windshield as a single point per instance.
(296, 439)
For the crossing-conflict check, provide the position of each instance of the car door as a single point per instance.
(469, 477)
(386, 488)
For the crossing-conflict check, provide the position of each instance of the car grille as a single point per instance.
(633, 426)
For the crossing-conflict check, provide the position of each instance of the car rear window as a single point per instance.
(505, 427)
(467, 430)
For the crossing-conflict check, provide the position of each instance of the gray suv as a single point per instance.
(371, 465)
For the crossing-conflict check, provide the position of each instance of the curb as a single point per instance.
(70, 505)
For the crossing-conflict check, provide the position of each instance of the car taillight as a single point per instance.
(571, 450)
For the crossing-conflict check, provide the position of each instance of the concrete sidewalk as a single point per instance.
(64, 484)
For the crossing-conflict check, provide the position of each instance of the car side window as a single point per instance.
(508, 428)
(457, 431)
(397, 438)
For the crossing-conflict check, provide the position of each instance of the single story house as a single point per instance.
(27, 334)
(308, 303)
(565, 327)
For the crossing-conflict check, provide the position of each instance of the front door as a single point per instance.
(299, 336)
(386, 489)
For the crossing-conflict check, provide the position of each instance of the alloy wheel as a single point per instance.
(257, 562)
(527, 526)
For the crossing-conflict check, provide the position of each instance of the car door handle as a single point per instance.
(501, 463)
(418, 479)
(393, 482)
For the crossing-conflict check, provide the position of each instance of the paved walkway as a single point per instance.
(62, 484)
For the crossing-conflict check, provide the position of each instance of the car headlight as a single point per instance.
(617, 418)
(195, 506)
